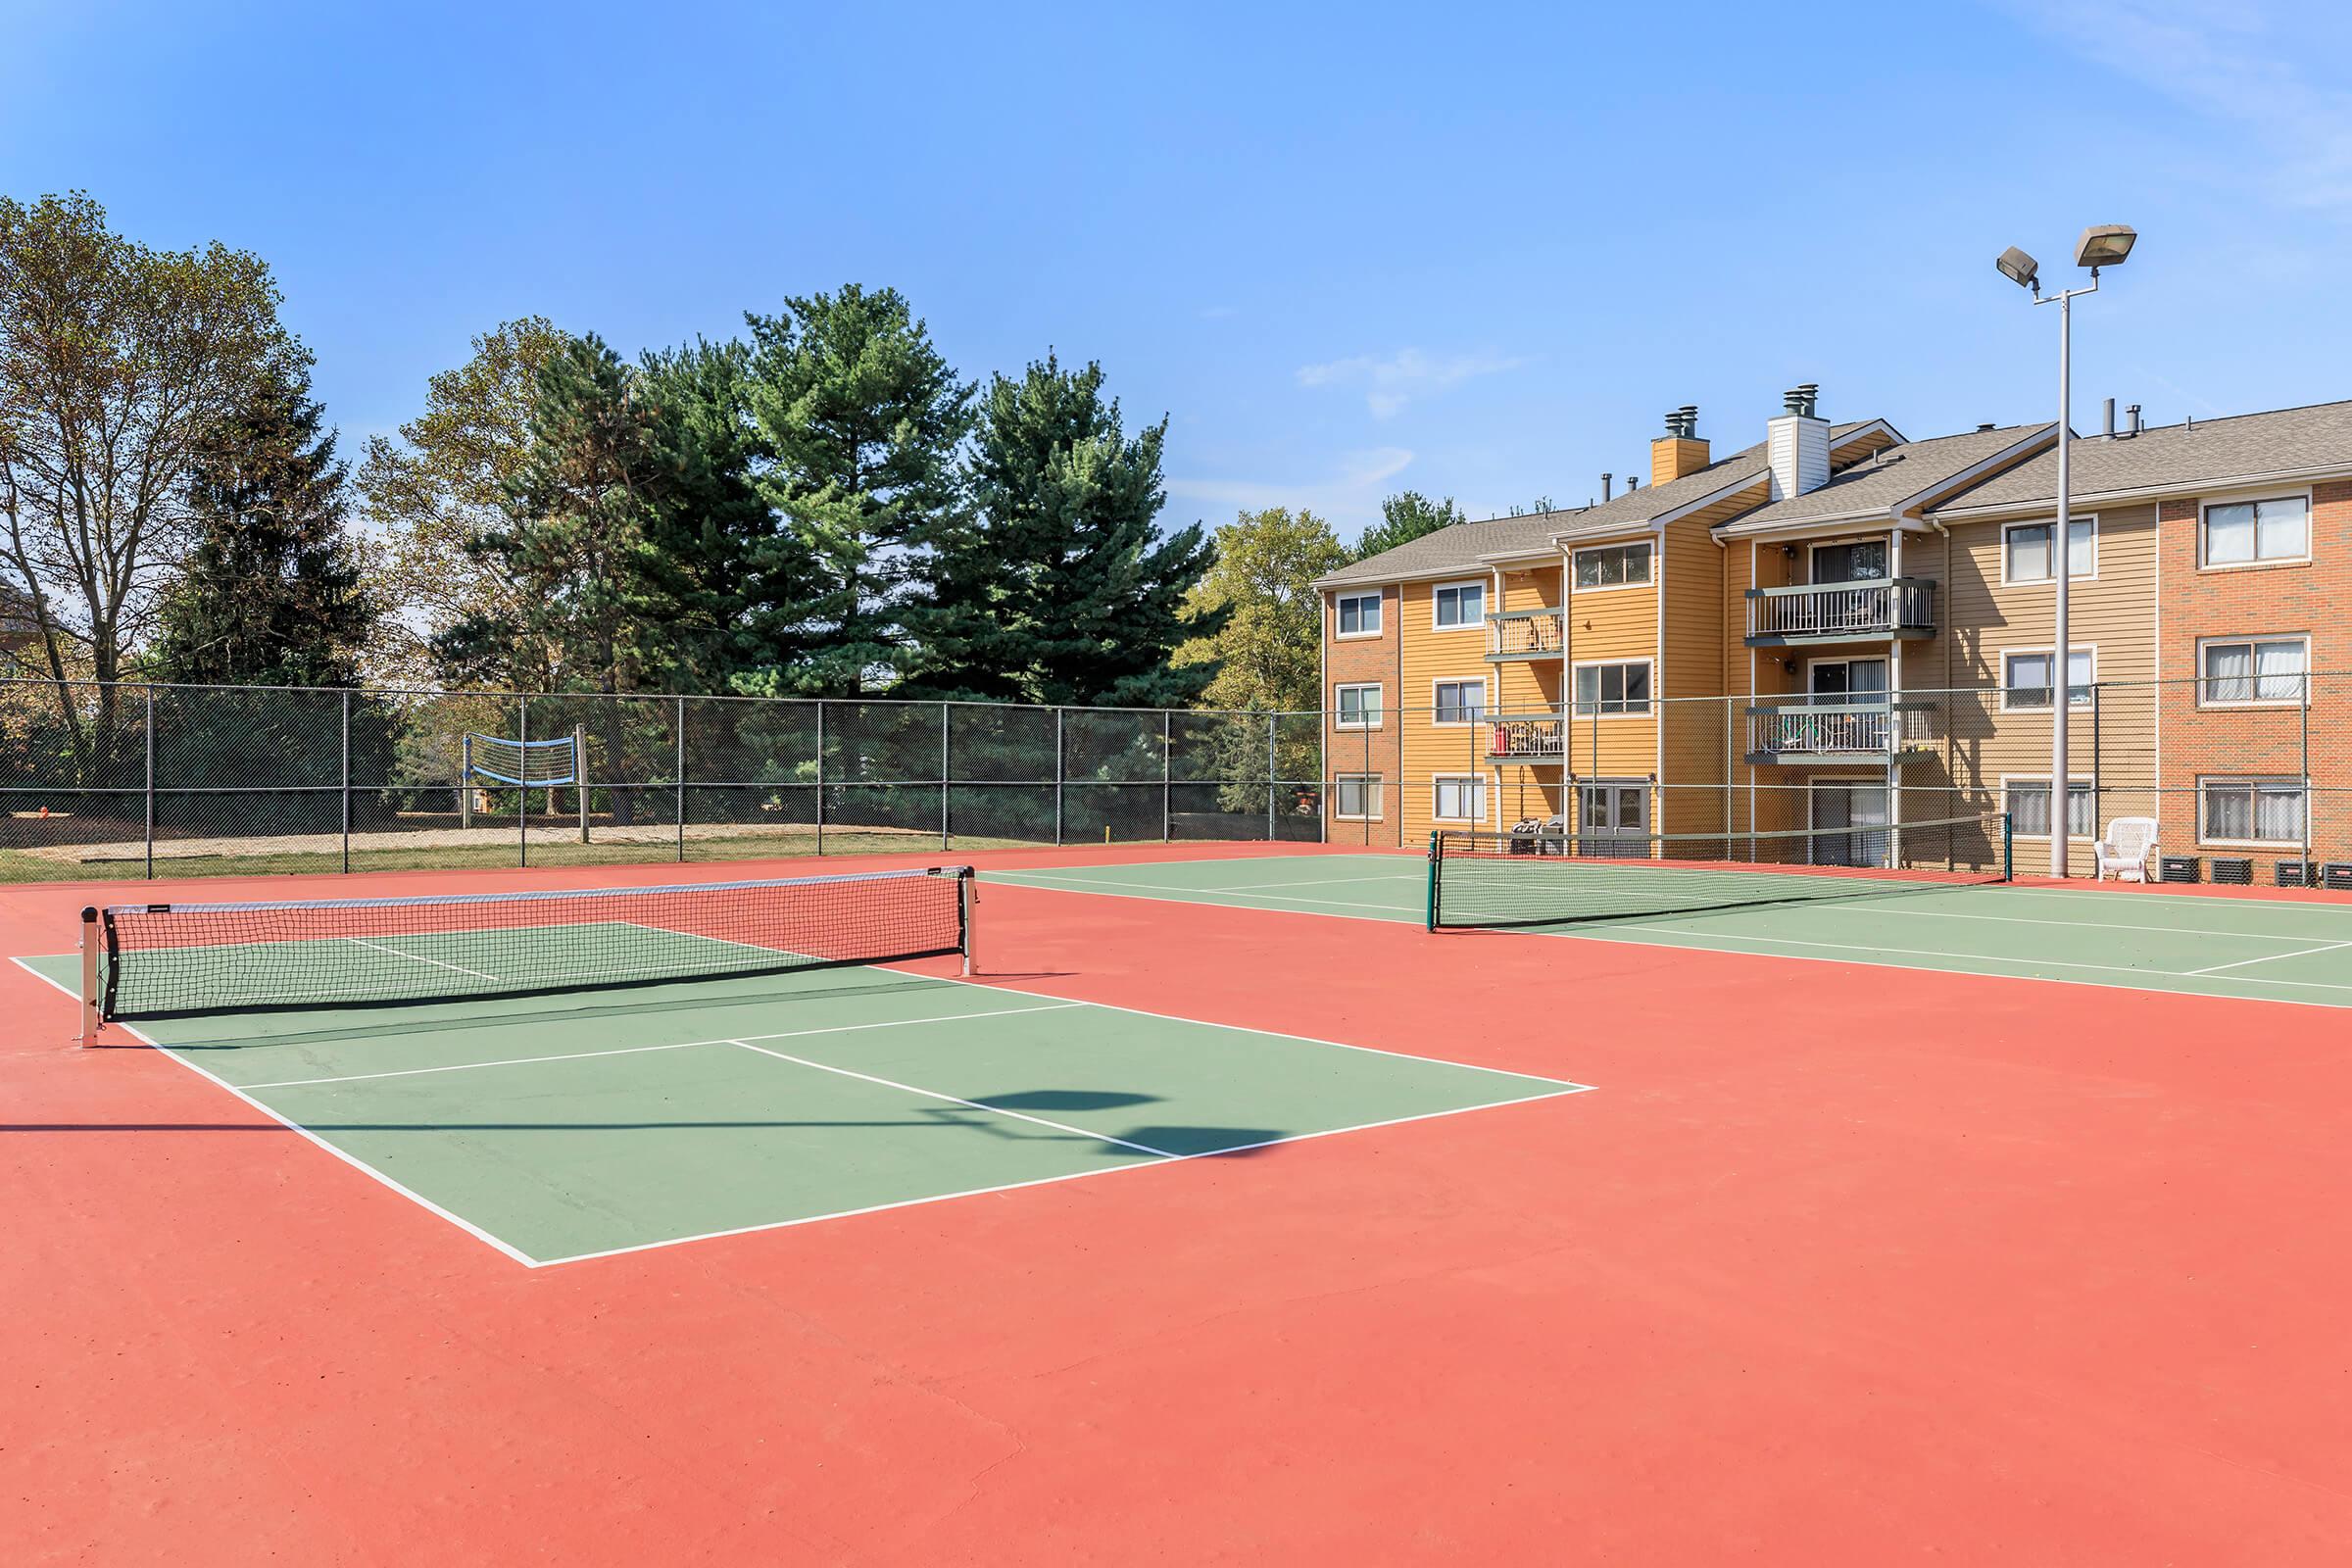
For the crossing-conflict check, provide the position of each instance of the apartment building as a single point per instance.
(1839, 626)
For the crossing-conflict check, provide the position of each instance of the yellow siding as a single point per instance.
(1429, 749)
(1693, 756)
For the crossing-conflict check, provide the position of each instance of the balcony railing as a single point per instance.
(1833, 612)
(1525, 634)
(1800, 728)
(1524, 738)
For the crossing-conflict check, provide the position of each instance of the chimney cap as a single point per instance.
(1804, 399)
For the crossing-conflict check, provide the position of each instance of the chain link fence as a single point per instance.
(137, 780)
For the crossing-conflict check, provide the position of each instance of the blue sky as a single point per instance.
(1472, 251)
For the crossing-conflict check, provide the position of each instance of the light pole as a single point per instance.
(2101, 245)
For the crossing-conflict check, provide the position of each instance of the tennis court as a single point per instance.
(2276, 949)
(566, 1102)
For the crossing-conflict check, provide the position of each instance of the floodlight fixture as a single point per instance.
(2020, 268)
(2104, 245)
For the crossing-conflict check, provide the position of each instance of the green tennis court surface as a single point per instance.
(2277, 951)
(579, 1125)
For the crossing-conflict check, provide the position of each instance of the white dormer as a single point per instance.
(1798, 445)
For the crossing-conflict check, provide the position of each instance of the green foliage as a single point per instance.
(858, 416)
(1268, 652)
(1403, 518)
(442, 484)
(271, 594)
(1058, 587)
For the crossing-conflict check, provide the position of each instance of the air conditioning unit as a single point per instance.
(2336, 875)
(2297, 874)
(2178, 868)
(2232, 872)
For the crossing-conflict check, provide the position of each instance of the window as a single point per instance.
(1613, 565)
(1460, 798)
(1359, 615)
(2026, 550)
(2252, 670)
(2028, 803)
(1460, 702)
(2250, 811)
(1459, 605)
(1862, 561)
(2245, 533)
(1360, 707)
(1357, 797)
(1613, 688)
(2026, 677)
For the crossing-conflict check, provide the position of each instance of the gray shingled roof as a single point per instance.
(1898, 474)
(1463, 545)
(2244, 446)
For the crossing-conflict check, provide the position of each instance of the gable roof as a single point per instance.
(1466, 546)
(1895, 478)
(2242, 448)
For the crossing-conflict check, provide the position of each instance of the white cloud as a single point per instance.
(1389, 383)
(2268, 69)
(1346, 500)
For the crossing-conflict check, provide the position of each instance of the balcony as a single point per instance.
(1841, 611)
(1806, 729)
(1523, 738)
(1524, 634)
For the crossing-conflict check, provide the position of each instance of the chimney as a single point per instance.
(1798, 444)
(1604, 485)
(1680, 449)
(2109, 407)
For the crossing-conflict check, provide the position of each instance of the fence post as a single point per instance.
(1272, 720)
(465, 779)
(2309, 805)
(149, 727)
(681, 814)
(820, 776)
(2098, 794)
(347, 781)
(1167, 775)
(522, 770)
(944, 774)
(1058, 715)
(579, 773)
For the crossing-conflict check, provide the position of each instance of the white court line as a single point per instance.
(957, 1100)
(1326, 882)
(419, 958)
(2273, 957)
(1068, 1176)
(352, 1160)
(1864, 906)
(631, 1051)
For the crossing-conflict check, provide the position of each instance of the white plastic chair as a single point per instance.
(2125, 849)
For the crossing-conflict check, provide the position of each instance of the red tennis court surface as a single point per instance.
(1840, 1264)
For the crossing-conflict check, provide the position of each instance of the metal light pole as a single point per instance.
(2102, 245)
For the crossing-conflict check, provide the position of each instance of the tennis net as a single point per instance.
(161, 960)
(1556, 874)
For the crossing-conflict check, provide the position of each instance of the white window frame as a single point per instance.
(2258, 562)
(2250, 644)
(1374, 791)
(1339, 601)
(2074, 782)
(1477, 622)
(2254, 780)
(1485, 701)
(2073, 573)
(1649, 577)
(1337, 706)
(1478, 785)
(2002, 667)
(1649, 704)
(1813, 558)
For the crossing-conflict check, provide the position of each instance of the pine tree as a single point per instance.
(270, 593)
(1058, 588)
(1403, 518)
(860, 418)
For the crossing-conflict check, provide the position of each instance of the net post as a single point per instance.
(2008, 860)
(1437, 856)
(967, 905)
(579, 773)
(90, 1021)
